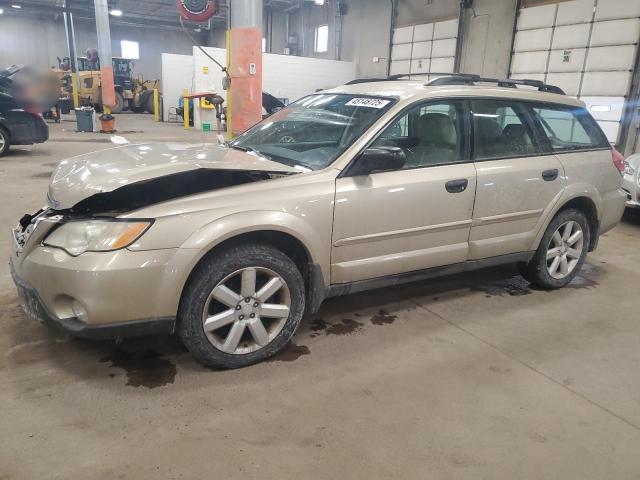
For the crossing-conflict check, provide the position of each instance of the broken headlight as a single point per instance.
(77, 237)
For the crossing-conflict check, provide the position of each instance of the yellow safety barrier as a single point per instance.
(156, 105)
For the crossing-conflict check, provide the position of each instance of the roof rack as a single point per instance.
(467, 79)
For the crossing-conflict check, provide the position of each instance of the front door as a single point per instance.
(414, 218)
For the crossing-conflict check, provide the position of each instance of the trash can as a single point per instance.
(84, 119)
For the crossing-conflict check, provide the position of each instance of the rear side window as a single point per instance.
(501, 129)
(569, 128)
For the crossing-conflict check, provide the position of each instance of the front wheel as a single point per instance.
(241, 306)
(5, 142)
(561, 252)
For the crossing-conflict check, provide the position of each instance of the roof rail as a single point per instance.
(468, 79)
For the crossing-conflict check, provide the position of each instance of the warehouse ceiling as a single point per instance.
(141, 12)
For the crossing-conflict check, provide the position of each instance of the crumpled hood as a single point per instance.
(78, 178)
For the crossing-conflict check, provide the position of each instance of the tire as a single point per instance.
(226, 269)
(119, 106)
(540, 269)
(5, 141)
(148, 103)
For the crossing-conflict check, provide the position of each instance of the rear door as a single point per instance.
(518, 178)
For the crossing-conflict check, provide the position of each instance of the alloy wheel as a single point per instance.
(246, 310)
(3, 142)
(565, 249)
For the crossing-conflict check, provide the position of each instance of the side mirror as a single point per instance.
(378, 159)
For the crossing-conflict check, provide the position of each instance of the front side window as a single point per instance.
(500, 129)
(313, 131)
(569, 128)
(429, 134)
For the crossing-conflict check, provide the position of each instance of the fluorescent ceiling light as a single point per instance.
(16, 6)
(601, 108)
(116, 12)
(1, 11)
(318, 2)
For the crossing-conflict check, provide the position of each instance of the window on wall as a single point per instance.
(321, 43)
(130, 50)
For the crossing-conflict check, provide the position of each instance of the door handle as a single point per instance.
(550, 175)
(457, 186)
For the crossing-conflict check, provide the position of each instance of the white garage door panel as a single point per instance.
(448, 29)
(528, 76)
(421, 50)
(400, 66)
(442, 65)
(530, 40)
(569, 82)
(529, 62)
(611, 58)
(577, 11)
(402, 35)
(558, 60)
(610, 130)
(571, 36)
(401, 52)
(616, 32)
(606, 83)
(598, 107)
(420, 65)
(536, 17)
(444, 48)
(612, 9)
(422, 33)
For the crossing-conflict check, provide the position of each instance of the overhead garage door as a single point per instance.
(420, 49)
(586, 47)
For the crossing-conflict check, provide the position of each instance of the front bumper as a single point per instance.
(632, 190)
(35, 309)
(100, 295)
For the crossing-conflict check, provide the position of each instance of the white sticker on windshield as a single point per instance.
(370, 102)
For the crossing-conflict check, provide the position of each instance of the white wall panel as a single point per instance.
(177, 74)
(530, 40)
(569, 82)
(528, 76)
(529, 62)
(444, 48)
(612, 9)
(423, 33)
(421, 50)
(577, 11)
(571, 36)
(615, 105)
(606, 83)
(611, 130)
(401, 51)
(447, 29)
(403, 35)
(536, 17)
(561, 62)
(400, 67)
(420, 65)
(611, 58)
(442, 65)
(616, 32)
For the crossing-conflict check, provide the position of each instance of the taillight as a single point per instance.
(618, 160)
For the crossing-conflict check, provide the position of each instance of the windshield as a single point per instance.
(313, 131)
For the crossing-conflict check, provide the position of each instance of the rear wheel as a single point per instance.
(242, 306)
(149, 103)
(561, 252)
(5, 142)
(119, 106)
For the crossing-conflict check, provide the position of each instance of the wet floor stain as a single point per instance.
(42, 175)
(144, 368)
(290, 353)
(319, 325)
(515, 287)
(383, 318)
(580, 282)
(346, 326)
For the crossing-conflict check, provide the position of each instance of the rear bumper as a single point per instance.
(36, 309)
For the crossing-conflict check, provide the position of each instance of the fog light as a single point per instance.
(79, 311)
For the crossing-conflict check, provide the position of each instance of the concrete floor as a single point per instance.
(474, 376)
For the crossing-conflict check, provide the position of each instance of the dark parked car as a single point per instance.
(18, 126)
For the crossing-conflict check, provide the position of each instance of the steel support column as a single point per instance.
(73, 61)
(244, 65)
(104, 51)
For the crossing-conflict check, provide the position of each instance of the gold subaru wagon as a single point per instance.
(364, 186)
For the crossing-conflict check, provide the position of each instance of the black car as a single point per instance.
(17, 125)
